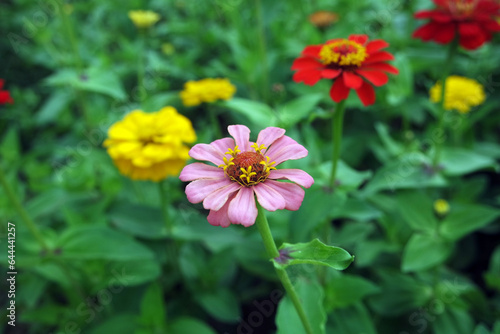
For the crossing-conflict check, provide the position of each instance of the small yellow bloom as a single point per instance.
(206, 90)
(461, 94)
(150, 146)
(168, 49)
(441, 207)
(143, 18)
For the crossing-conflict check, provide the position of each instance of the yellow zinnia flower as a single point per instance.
(206, 90)
(461, 94)
(441, 207)
(143, 18)
(150, 146)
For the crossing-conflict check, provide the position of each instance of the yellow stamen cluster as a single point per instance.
(343, 53)
(461, 94)
(462, 7)
(247, 168)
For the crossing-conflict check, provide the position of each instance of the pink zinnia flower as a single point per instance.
(242, 169)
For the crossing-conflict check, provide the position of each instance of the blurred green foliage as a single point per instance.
(110, 266)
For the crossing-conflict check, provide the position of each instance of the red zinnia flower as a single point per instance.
(350, 63)
(473, 20)
(4, 95)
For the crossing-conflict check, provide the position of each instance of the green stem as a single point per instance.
(71, 36)
(272, 252)
(165, 204)
(22, 213)
(263, 51)
(444, 75)
(141, 65)
(215, 123)
(337, 122)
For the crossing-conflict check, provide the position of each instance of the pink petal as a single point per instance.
(242, 209)
(200, 170)
(206, 152)
(292, 193)
(197, 190)
(295, 175)
(269, 198)
(269, 135)
(284, 149)
(218, 198)
(220, 217)
(223, 144)
(241, 135)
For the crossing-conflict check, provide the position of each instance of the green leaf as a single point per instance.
(345, 290)
(399, 294)
(466, 218)
(492, 277)
(314, 252)
(187, 325)
(406, 172)
(221, 304)
(54, 105)
(100, 242)
(481, 329)
(138, 220)
(311, 296)
(356, 209)
(424, 252)
(258, 113)
(459, 161)
(349, 178)
(417, 209)
(95, 80)
(121, 323)
(453, 320)
(10, 147)
(351, 320)
(295, 110)
(315, 210)
(393, 147)
(153, 312)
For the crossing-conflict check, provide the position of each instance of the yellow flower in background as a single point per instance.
(150, 146)
(143, 18)
(206, 90)
(461, 94)
(441, 207)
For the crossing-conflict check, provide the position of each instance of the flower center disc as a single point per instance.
(247, 168)
(343, 53)
(461, 8)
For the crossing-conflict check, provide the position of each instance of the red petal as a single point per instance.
(474, 42)
(446, 34)
(361, 39)
(376, 45)
(1, 83)
(309, 77)
(312, 50)
(305, 63)
(366, 94)
(352, 80)
(382, 67)
(427, 31)
(339, 91)
(469, 29)
(375, 77)
(330, 74)
(378, 57)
